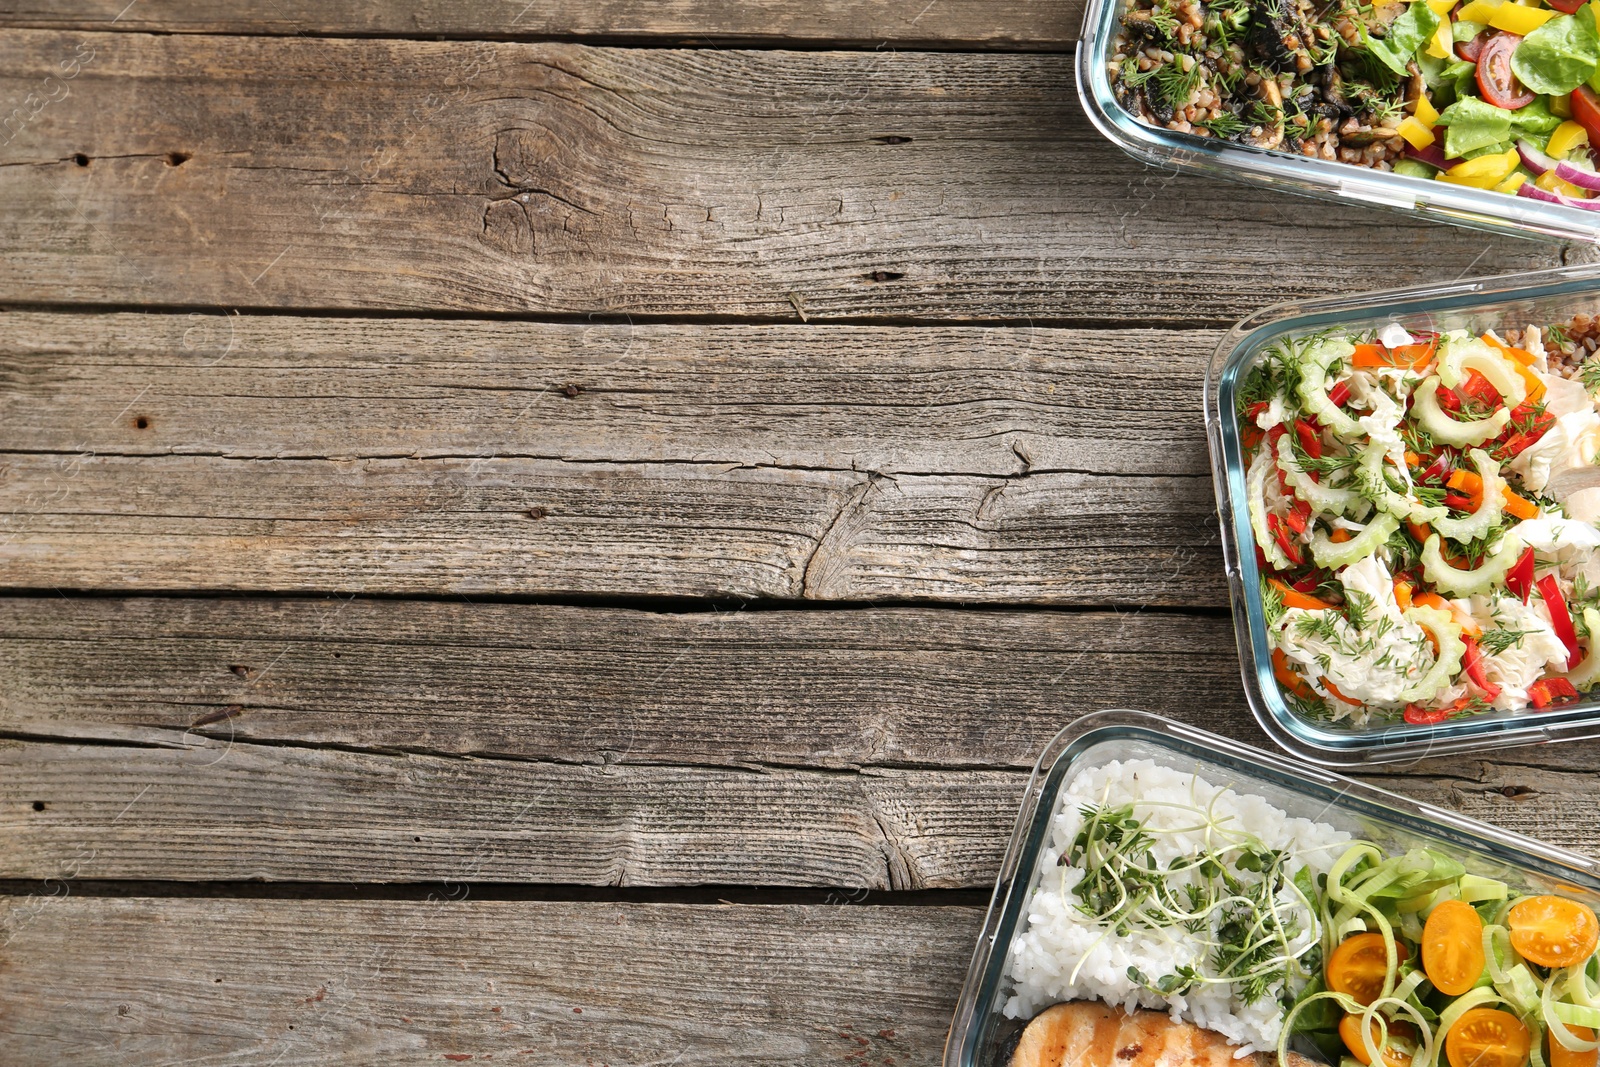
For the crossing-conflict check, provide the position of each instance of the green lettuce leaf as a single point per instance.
(1407, 33)
(1471, 124)
(1560, 55)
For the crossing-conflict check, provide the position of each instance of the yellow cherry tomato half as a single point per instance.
(1488, 1037)
(1561, 1056)
(1452, 947)
(1393, 1054)
(1553, 931)
(1358, 966)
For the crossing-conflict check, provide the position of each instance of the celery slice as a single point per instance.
(1475, 888)
(1335, 557)
(1324, 498)
(1313, 387)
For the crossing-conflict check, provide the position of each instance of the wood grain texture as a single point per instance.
(550, 178)
(186, 452)
(209, 810)
(306, 983)
(836, 690)
(404, 742)
(859, 23)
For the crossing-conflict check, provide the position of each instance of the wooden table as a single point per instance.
(553, 532)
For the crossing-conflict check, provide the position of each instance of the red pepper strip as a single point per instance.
(1437, 469)
(1552, 691)
(1254, 411)
(1417, 715)
(1460, 503)
(1309, 586)
(1299, 516)
(1339, 394)
(1285, 542)
(1519, 579)
(1560, 617)
(1518, 441)
(1261, 560)
(1448, 399)
(1473, 658)
(1478, 387)
(1309, 440)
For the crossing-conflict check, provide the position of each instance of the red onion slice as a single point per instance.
(1533, 192)
(1579, 174)
(1534, 159)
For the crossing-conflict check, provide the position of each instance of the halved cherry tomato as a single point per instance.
(1488, 1037)
(1393, 1055)
(1496, 81)
(1567, 7)
(1452, 947)
(1586, 111)
(1358, 966)
(1471, 50)
(1561, 1056)
(1553, 931)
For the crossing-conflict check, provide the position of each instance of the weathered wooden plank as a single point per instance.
(568, 179)
(220, 452)
(861, 23)
(230, 982)
(317, 742)
(837, 690)
(528, 526)
(936, 400)
(232, 810)
(240, 810)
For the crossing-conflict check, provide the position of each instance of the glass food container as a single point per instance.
(982, 1036)
(1325, 179)
(1535, 298)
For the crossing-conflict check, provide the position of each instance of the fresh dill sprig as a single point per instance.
(1499, 638)
(1589, 373)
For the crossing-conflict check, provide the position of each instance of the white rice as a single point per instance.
(1066, 955)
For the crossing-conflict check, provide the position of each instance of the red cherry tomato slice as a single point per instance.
(1496, 81)
(1567, 7)
(1471, 50)
(1586, 110)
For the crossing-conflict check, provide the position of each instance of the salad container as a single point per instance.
(1325, 179)
(982, 1036)
(1531, 298)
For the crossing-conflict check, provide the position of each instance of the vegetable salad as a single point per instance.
(1375, 957)
(1424, 512)
(1424, 963)
(1493, 94)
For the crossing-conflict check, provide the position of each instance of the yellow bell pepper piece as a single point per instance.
(1485, 172)
(1416, 134)
(1426, 113)
(1478, 11)
(1567, 136)
(1513, 183)
(1514, 18)
(1551, 184)
(1443, 44)
(1441, 7)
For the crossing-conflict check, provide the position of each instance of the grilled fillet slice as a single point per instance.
(1087, 1033)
